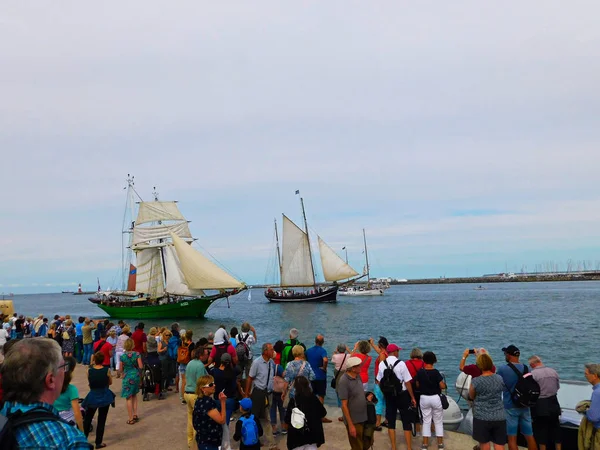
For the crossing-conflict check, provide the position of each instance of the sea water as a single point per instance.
(557, 321)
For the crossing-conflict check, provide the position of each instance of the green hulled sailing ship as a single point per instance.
(168, 277)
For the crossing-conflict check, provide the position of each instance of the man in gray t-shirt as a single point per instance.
(354, 403)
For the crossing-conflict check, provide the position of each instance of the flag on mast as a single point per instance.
(297, 192)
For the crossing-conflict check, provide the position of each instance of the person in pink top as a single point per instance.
(381, 355)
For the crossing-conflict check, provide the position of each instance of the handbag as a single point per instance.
(278, 382)
(336, 373)
(444, 400)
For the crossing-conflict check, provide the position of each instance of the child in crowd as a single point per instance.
(247, 428)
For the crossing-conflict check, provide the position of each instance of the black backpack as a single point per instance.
(242, 350)
(220, 351)
(527, 390)
(390, 384)
(8, 425)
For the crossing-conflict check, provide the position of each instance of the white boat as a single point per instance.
(370, 290)
(359, 291)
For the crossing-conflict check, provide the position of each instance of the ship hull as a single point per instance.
(327, 296)
(363, 293)
(190, 308)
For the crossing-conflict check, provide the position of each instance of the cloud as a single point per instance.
(459, 126)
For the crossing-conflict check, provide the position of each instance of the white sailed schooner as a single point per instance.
(296, 268)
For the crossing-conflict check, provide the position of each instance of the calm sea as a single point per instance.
(557, 321)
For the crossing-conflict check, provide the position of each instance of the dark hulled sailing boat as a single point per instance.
(296, 268)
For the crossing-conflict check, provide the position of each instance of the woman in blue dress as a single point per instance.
(131, 363)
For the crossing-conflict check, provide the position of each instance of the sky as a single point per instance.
(464, 137)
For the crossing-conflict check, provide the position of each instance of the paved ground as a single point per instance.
(163, 425)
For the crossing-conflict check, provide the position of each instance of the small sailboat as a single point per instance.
(169, 277)
(363, 291)
(296, 269)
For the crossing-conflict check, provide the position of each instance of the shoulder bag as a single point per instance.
(278, 382)
(336, 373)
(286, 398)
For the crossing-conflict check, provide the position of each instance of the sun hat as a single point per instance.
(246, 404)
(392, 348)
(353, 361)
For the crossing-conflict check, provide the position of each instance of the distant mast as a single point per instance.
(367, 259)
(312, 269)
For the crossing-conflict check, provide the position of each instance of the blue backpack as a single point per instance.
(172, 347)
(249, 430)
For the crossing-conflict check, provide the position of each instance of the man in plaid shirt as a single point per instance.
(32, 377)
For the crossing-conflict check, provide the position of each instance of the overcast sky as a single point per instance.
(463, 136)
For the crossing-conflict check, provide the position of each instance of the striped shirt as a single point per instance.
(46, 434)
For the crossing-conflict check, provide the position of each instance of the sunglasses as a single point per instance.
(209, 385)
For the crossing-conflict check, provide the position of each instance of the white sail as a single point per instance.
(334, 267)
(175, 280)
(296, 266)
(155, 211)
(198, 271)
(145, 234)
(149, 275)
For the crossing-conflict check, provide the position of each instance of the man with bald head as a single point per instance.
(317, 358)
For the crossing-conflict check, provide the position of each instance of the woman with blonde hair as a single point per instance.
(297, 367)
(131, 362)
(208, 418)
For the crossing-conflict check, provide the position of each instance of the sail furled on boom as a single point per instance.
(143, 235)
(334, 267)
(296, 266)
(157, 212)
(198, 271)
(149, 273)
(176, 284)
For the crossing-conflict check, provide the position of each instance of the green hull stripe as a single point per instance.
(193, 308)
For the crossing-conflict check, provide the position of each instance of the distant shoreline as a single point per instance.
(487, 279)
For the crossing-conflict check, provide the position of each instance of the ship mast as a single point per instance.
(367, 259)
(161, 249)
(278, 251)
(127, 228)
(312, 269)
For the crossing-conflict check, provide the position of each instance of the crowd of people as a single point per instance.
(269, 389)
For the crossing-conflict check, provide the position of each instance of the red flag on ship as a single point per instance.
(131, 280)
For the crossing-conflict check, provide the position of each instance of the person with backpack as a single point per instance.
(518, 416)
(220, 347)
(243, 348)
(33, 374)
(489, 420)
(247, 429)
(286, 353)
(184, 356)
(303, 418)
(394, 381)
